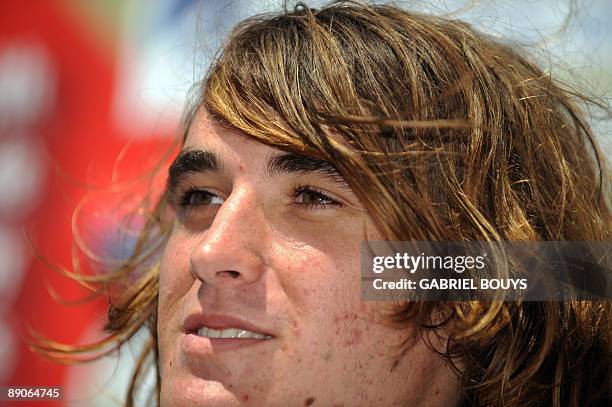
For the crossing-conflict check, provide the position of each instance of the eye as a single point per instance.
(311, 197)
(199, 197)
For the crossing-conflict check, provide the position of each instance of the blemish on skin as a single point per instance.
(395, 364)
(437, 392)
(296, 329)
(346, 316)
(327, 356)
(309, 401)
(245, 398)
(354, 338)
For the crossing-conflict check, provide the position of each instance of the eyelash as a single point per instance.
(183, 199)
(320, 194)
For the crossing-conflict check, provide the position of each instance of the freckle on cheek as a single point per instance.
(296, 330)
(346, 316)
(309, 401)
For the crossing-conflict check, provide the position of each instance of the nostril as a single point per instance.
(230, 273)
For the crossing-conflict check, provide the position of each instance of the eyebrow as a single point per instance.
(198, 161)
(300, 164)
(192, 161)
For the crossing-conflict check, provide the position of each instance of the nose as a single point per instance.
(231, 251)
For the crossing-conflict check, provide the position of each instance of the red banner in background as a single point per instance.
(58, 143)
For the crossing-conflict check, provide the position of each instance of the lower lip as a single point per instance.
(195, 345)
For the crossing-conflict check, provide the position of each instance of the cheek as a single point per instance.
(319, 268)
(313, 281)
(325, 291)
(327, 288)
(174, 279)
(175, 282)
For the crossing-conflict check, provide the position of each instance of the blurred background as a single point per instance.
(91, 93)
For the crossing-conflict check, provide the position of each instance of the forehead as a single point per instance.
(210, 146)
(206, 133)
(205, 130)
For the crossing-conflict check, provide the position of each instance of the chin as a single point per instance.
(198, 392)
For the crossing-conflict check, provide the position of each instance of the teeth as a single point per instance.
(230, 333)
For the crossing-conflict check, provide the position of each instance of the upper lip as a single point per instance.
(198, 320)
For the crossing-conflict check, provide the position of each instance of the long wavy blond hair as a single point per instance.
(444, 134)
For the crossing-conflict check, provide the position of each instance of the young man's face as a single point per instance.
(259, 299)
